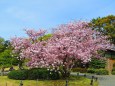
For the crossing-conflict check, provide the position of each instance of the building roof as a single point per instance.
(112, 48)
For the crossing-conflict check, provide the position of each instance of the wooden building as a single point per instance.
(110, 55)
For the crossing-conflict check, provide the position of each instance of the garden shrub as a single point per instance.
(98, 71)
(113, 69)
(114, 65)
(101, 72)
(54, 75)
(33, 74)
(15, 61)
(81, 70)
(97, 63)
(113, 72)
(18, 74)
(37, 73)
(91, 70)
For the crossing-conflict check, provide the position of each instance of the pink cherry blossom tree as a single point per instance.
(72, 42)
(21, 44)
(69, 43)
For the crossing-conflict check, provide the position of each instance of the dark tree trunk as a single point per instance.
(20, 65)
(65, 73)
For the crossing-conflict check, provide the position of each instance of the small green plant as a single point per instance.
(18, 74)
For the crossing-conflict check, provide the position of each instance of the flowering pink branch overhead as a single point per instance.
(35, 34)
(72, 42)
(69, 43)
(20, 45)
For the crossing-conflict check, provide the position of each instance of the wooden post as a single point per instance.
(6, 83)
(21, 83)
(66, 83)
(37, 82)
(96, 78)
(92, 77)
(77, 73)
(84, 75)
(91, 83)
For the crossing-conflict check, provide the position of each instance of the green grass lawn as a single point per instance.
(15, 67)
(73, 82)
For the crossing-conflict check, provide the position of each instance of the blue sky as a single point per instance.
(16, 15)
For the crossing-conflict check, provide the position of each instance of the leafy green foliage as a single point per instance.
(91, 70)
(2, 47)
(101, 72)
(53, 75)
(113, 72)
(113, 69)
(45, 37)
(18, 74)
(110, 54)
(97, 63)
(41, 73)
(114, 65)
(105, 25)
(98, 71)
(81, 70)
(33, 74)
(6, 59)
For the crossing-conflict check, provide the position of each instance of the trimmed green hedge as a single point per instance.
(91, 70)
(81, 70)
(97, 63)
(33, 74)
(114, 65)
(102, 72)
(113, 69)
(113, 72)
(37, 74)
(42, 74)
(98, 71)
(18, 74)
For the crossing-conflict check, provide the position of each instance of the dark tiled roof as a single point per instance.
(113, 48)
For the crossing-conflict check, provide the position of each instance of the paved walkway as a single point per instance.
(106, 80)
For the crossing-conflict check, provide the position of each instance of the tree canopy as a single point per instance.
(105, 25)
(69, 43)
(6, 59)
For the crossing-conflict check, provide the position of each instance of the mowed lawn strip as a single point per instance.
(81, 82)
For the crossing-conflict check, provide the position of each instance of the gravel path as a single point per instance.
(104, 80)
(107, 80)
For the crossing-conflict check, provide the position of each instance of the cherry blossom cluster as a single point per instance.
(69, 43)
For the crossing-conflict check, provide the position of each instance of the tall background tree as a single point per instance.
(105, 25)
(6, 58)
